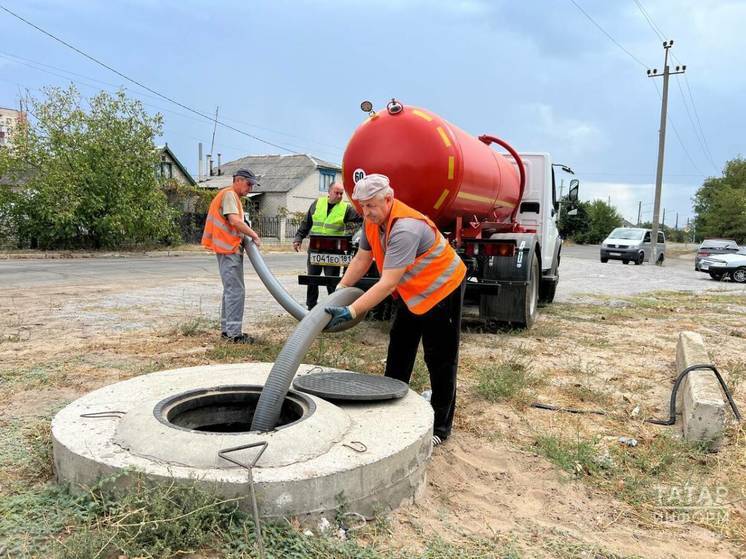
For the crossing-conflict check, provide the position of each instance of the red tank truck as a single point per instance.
(499, 210)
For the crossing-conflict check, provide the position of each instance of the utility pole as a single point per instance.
(661, 146)
(677, 221)
(639, 212)
(663, 221)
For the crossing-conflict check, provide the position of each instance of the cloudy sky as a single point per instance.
(539, 74)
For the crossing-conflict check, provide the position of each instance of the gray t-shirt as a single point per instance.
(409, 239)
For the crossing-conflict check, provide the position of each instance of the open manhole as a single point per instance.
(227, 409)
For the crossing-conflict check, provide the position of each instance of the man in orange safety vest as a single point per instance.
(224, 233)
(418, 265)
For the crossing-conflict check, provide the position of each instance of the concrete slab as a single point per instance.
(700, 398)
(373, 456)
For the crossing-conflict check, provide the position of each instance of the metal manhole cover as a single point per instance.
(351, 386)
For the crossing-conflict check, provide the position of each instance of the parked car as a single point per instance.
(724, 265)
(630, 244)
(710, 247)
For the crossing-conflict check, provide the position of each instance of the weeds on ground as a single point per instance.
(508, 379)
(630, 473)
(172, 520)
(25, 454)
(195, 326)
(566, 547)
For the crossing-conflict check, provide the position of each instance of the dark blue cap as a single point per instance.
(246, 174)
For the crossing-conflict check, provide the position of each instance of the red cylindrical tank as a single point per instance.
(433, 166)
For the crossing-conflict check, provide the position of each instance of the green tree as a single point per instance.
(720, 204)
(89, 175)
(602, 219)
(571, 226)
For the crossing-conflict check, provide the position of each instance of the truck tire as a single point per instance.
(548, 288)
(640, 259)
(531, 298)
(604, 260)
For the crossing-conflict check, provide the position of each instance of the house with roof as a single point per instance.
(286, 182)
(169, 167)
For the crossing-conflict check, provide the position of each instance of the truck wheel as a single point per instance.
(739, 275)
(548, 289)
(547, 292)
(661, 258)
(640, 259)
(531, 296)
(604, 260)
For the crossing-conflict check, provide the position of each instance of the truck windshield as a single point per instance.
(628, 234)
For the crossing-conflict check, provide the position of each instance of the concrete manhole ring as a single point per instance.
(374, 454)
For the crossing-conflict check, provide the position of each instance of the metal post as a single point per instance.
(661, 148)
(639, 212)
(199, 161)
(663, 221)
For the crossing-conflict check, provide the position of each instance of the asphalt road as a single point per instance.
(581, 273)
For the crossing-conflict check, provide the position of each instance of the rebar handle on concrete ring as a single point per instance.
(672, 406)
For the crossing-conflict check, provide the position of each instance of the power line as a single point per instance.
(653, 26)
(34, 65)
(698, 130)
(140, 84)
(30, 63)
(699, 122)
(612, 39)
(694, 126)
(678, 137)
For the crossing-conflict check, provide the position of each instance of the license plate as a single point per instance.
(320, 259)
(615, 254)
(704, 266)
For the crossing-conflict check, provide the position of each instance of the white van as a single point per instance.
(630, 244)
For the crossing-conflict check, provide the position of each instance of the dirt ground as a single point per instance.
(547, 484)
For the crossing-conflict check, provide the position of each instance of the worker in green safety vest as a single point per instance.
(329, 215)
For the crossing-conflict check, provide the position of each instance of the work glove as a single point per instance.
(340, 315)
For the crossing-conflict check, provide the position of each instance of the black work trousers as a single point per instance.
(440, 331)
(312, 293)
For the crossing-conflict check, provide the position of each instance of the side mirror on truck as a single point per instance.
(572, 195)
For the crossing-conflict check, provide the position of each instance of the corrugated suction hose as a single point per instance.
(270, 282)
(286, 365)
(312, 323)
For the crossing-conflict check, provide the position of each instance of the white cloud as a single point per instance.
(576, 137)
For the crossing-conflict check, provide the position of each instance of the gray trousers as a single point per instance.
(231, 310)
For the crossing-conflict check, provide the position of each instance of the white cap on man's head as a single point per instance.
(369, 186)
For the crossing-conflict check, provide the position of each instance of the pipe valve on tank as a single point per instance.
(394, 107)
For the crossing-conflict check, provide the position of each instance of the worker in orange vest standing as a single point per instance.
(225, 230)
(418, 265)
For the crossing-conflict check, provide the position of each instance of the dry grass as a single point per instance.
(616, 355)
